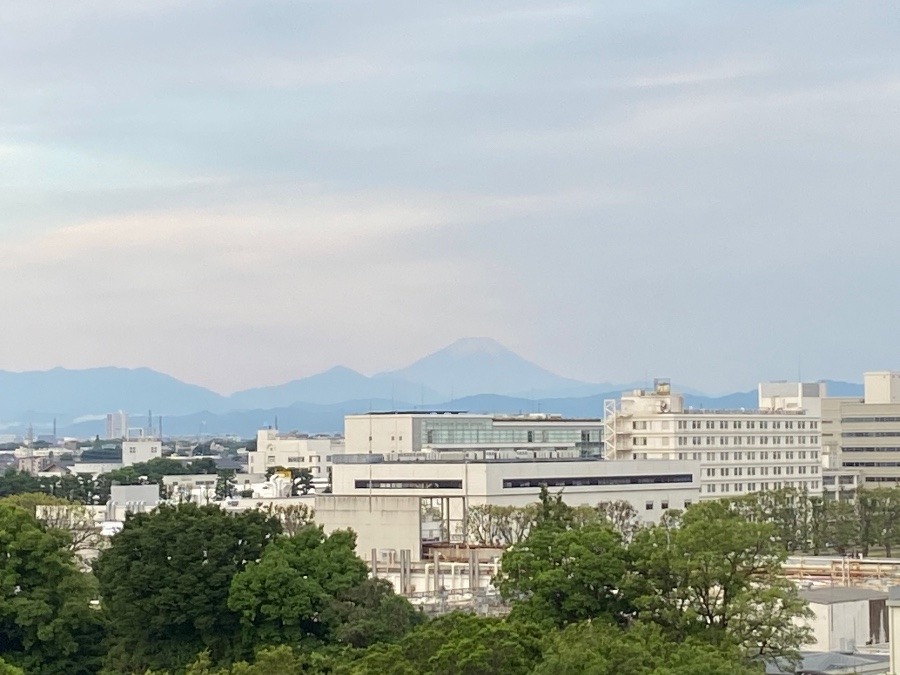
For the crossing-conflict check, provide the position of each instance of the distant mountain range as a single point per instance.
(474, 374)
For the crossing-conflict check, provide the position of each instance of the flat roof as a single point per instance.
(833, 595)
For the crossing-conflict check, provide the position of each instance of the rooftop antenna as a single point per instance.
(149, 423)
(160, 427)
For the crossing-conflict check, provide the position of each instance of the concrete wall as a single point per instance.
(382, 434)
(380, 522)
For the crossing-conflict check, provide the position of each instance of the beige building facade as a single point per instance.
(864, 434)
(738, 451)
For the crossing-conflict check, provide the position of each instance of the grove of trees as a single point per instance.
(195, 590)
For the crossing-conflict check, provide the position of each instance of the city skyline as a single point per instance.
(241, 194)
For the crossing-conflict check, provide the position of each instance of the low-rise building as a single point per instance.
(294, 451)
(140, 450)
(401, 432)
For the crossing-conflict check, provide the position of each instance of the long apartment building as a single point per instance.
(776, 445)
(863, 434)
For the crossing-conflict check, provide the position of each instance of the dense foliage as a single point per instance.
(196, 590)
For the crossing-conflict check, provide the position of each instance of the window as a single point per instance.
(751, 424)
(687, 503)
(682, 424)
(695, 424)
(801, 424)
(723, 456)
(738, 456)
(723, 440)
(737, 440)
(651, 479)
(738, 471)
(641, 424)
(710, 424)
(751, 440)
(409, 484)
(710, 488)
(725, 487)
(776, 440)
(695, 440)
(737, 424)
(789, 454)
(776, 424)
(682, 440)
(648, 506)
(776, 455)
(813, 425)
(723, 424)
(751, 470)
(751, 487)
(763, 425)
(738, 487)
(801, 440)
(725, 472)
(710, 457)
(664, 504)
(789, 424)
(763, 471)
(710, 473)
(763, 440)
(710, 440)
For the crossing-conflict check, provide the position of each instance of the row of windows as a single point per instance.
(870, 434)
(870, 449)
(882, 479)
(744, 424)
(408, 484)
(871, 463)
(597, 480)
(751, 455)
(753, 487)
(740, 440)
(763, 471)
(863, 420)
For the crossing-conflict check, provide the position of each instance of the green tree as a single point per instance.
(225, 483)
(712, 573)
(371, 612)
(60, 514)
(456, 644)
(165, 580)
(603, 649)
(565, 575)
(289, 596)
(46, 623)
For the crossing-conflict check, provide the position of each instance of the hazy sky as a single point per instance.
(240, 193)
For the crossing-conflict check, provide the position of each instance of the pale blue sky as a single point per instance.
(239, 193)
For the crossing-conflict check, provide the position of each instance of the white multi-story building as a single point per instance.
(399, 432)
(294, 451)
(117, 425)
(140, 450)
(864, 434)
(739, 451)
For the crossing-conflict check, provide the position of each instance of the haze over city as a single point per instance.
(238, 194)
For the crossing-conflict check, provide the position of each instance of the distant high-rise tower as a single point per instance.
(117, 425)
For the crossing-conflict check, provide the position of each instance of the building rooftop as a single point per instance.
(834, 595)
